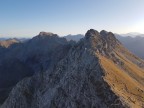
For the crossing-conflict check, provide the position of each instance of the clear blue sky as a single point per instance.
(29, 17)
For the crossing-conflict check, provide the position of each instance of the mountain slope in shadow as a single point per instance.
(22, 60)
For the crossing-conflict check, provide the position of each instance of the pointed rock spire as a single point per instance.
(91, 33)
(46, 34)
(103, 33)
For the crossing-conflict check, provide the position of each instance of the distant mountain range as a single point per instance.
(133, 34)
(1, 39)
(74, 37)
(134, 44)
(18, 39)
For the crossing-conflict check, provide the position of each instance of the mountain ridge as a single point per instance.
(95, 72)
(129, 42)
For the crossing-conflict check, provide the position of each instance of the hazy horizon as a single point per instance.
(29, 17)
(132, 34)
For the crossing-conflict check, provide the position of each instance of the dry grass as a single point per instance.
(126, 82)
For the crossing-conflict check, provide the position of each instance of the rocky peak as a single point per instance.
(46, 34)
(102, 42)
(91, 33)
(108, 35)
(103, 33)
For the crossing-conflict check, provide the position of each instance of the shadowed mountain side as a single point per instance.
(23, 59)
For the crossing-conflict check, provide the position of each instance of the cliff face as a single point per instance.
(96, 72)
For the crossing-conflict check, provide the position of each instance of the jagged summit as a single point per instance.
(91, 33)
(103, 41)
(46, 34)
(104, 33)
(101, 35)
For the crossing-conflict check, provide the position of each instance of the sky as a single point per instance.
(26, 18)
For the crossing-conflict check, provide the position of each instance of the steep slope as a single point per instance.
(125, 74)
(22, 60)
(96, 72)
(124, 71)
